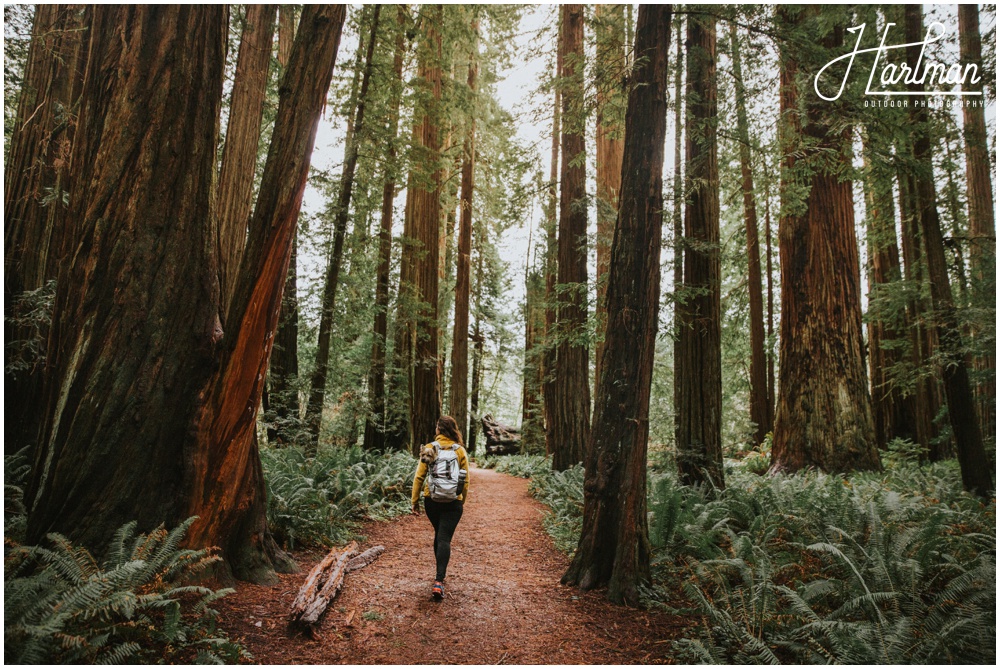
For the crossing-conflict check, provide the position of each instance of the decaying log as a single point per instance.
(500, 439)
(364, 559)
(321, 586)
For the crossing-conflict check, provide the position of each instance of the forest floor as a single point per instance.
(503, 602)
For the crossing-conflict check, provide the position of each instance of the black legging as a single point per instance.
(444, 516)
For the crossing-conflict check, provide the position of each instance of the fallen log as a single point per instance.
(364, 559)
(321, 586)
(500, 439)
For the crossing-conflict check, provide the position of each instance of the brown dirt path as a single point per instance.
(503, 602)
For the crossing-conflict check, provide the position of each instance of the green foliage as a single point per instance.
(61, 605)
(522, 466)
(321, 500)
(16, 468)
(29, 316)
(562, 492)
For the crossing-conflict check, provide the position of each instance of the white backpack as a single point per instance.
(446, 478)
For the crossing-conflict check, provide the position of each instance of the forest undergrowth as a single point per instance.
(874, 568)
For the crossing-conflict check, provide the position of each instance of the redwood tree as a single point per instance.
(698, 376)
(552, 258)
(571, 403)
(972, 458)
(823, 417)
(460, 337)
(137, 317)
(614, 543)
(760, 408)
(982, 226)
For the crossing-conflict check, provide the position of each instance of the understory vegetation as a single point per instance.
(892, 567)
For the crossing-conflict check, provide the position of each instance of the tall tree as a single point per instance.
(975, 466)
(677, 215)
(698, 377)
(760, 408)
(284, 392)
(609, 29)
(460, 338)
(982, 226)
(614, 543)
(478, 341)
(234, 197)
(823, 417)
(571, 406)
(552, 256)
(425, 385)
(317, 390)
(173, 433)
(37, 234)
(375, 424)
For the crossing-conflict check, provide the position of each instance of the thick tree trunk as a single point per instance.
(571, 411)
(760, 409)
(892, 411)
(234, 197)
(982, 226)
(972, 458)
(699, 376)
(614, 544)
(317, 390)
(425, 386)
(460, 338)
(284, 374)
(37, 233)
(135, 320)
(609, 23)
(375, 425)
(552, 261)
(823, 417)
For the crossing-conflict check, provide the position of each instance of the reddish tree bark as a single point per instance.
(609, 23)
(239, 157)
(317, 391)
(972, 458)
(571, 407)
(982, 226)
(552, 260)
(823, 416)
(614, 544)
(760, 408)
(460, 337)
(375, 424)
(698, 377)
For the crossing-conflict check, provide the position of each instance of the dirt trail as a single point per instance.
(503, 602)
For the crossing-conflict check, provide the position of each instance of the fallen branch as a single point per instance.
(321, 586)
(365, 558)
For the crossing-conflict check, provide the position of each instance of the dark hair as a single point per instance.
(447, 426)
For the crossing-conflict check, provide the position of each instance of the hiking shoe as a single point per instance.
(437, 590)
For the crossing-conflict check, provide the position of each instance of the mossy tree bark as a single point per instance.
(698, 376)
(614, 544)
(823, 417)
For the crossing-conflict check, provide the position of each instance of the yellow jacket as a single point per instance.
(419, 480)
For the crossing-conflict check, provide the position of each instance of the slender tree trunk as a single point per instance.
(571, 410)
(678, 218)
(610, 65)
(982, 226)
(534, 325)
(478, 341)
(460, 338)
(614, 544)
(770, 297)
(317, 391)
(37, 233)
(892, 411)
(552, 262)
(972, 459)
(823, 417)
(425, 393)
(284, 374)
(760, 410)
(375, 425)
(239, 157)
(699, 381)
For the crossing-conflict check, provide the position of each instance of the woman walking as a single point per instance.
(443, 479)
